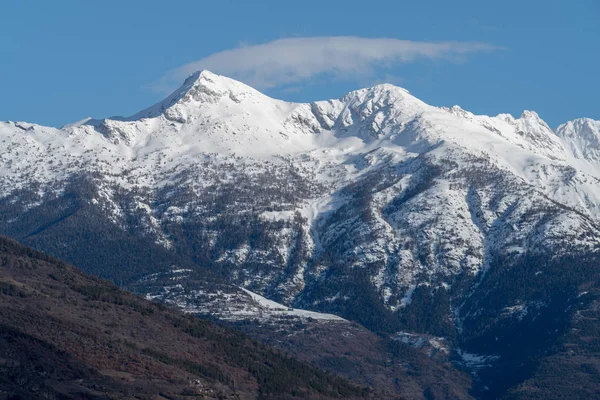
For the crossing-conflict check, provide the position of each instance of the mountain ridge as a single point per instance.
(216, 120)
(375, 207)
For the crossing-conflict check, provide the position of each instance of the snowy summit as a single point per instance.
(377, 178)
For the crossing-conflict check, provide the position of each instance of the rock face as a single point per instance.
(376, 207)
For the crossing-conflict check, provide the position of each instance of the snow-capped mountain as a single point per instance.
(581, 136)
(377, 206)
(378, 178)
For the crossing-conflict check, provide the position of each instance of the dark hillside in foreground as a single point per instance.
(66, 335)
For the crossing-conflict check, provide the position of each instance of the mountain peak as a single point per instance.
(529, 114)
(387, 90)
(200, 88)
(206, 81)
(389, 87)
(369, 100)
(583, 137)
(581, 128)
(586, 124)
(199, 75)
(530, 121)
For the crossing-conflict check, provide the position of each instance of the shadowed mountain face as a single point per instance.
(66, 335)
(407, 218)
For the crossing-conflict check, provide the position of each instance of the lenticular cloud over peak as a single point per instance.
(288, 61)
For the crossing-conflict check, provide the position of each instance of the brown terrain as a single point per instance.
(66, 335)
(353, 352)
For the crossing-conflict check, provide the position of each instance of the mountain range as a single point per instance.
(412, 220)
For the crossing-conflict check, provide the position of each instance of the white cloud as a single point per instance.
(291, 61)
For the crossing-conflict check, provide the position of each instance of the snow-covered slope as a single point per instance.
(582, 137)
(279, 196)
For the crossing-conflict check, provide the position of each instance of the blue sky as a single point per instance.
(61, 61)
